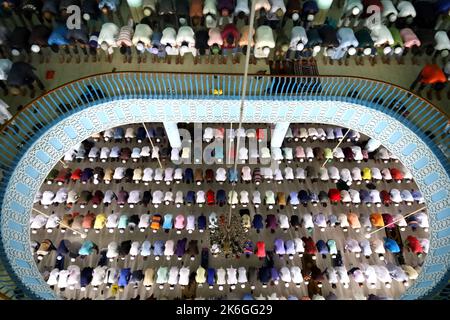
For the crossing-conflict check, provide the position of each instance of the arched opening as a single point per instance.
(124, 220)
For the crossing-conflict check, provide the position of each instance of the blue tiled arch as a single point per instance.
(49, 147)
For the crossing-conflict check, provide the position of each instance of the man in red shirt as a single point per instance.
(396, 174)
(210, 198)
(432, 75)
(230, 36)
(260, 250)
(261, 134)
(414, 245)
(76, 175)
(334, 195)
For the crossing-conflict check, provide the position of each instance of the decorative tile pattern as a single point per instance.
(42, 155)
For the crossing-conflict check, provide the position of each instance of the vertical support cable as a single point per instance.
(243, 95)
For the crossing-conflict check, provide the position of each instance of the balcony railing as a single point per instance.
(417, 113)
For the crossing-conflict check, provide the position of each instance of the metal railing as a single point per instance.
(417, 113)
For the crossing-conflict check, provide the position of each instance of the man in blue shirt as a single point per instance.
(190, 197)
(59, 43)
(233, 175)
(158, 248)
(258, 222)
(85, 277)
(124, 277)
(79, 38)
(188, 176)
(201, 222)
(221, 197)
(211, 277)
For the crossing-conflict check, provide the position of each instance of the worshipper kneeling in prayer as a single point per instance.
(347, 45)
(264, 42)
(185, 42)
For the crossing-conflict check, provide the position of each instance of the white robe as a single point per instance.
(173, 276)
(296, 275)
(53, 278)
(184, 276)
(285, 274)
(221, 276)
(288, 173)
(299, 245)
(112, 221)
(135, 248)
(113, 250)
(98, 276)
(232, 276)
(242, 275)
(144, 221)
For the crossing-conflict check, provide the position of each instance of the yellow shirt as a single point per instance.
(100, 221)
(366, 174)
(200, 276)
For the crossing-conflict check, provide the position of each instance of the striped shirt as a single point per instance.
(124, 38)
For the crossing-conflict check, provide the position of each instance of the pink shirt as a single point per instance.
(179, 222)
(409, 38)
(215, 37)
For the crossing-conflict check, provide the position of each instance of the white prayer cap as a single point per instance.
(352, 51)
(310, 17)
(86, 16)
(367, 51)
(15, 52)
(355, 11)
(387, 50)
(295, 16)
(300, 46)
(266, 51)
(35, 48)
